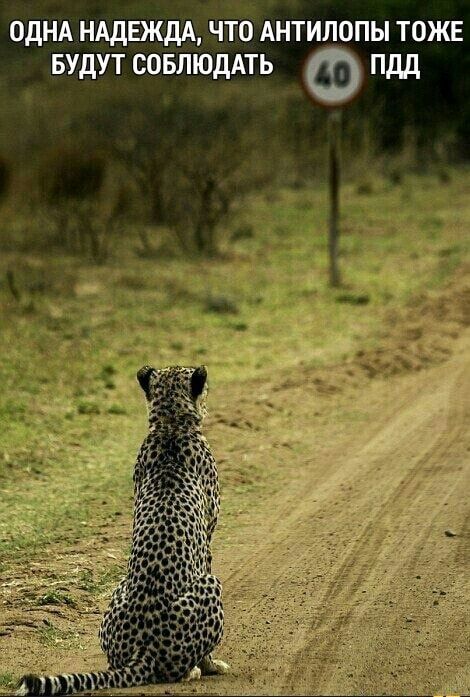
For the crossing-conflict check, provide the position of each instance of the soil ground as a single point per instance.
(349, 576)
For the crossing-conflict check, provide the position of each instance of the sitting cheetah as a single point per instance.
(166, 616)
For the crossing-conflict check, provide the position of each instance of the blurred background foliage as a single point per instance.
(175, 157)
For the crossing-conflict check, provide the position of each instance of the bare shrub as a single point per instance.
(202, 187)
(78, 202)
(198, 197)
(191, 165)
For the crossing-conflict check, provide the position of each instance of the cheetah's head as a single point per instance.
(175, 393)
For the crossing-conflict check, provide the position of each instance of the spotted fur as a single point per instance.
(166, 615)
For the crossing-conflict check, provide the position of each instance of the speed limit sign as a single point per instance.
(333, 75)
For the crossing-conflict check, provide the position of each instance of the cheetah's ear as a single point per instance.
(198, 380)
(143, 376)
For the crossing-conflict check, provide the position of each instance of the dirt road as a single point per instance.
(344, 581)
(350, 584)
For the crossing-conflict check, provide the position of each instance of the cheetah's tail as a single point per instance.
(67, 683)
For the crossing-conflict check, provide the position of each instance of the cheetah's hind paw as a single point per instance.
(221, 666)
(194, 674)
(213, 666)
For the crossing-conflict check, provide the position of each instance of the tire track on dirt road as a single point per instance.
(288, 511)
(320, 603)
(338, 606)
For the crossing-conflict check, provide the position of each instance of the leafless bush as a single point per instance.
(199, 193)
(186, 166)
(79, 203)
(190, 169)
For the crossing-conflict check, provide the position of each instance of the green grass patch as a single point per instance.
(72, 415)
(56, 598)
(8, 680)
(52, 636)
(100, 583)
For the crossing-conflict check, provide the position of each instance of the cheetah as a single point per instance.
(166, 616)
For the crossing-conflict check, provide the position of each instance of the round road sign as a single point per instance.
(333, 75)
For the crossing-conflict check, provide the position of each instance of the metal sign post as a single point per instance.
(334, 136)
(332, 76)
